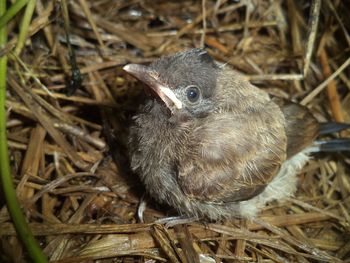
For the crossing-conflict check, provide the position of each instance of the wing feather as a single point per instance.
(301, 126)
(238, 155)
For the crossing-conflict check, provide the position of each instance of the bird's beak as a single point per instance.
(150, 78)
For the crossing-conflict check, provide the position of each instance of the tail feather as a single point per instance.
(331, 127)
(334, 145)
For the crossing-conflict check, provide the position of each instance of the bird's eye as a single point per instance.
(192, 93)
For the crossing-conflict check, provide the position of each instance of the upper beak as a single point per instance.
(150, 78)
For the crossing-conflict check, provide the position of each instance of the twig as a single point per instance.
(204, 23)
(313, 23)
(332, 92)
(320, 87)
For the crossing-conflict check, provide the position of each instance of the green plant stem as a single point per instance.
(11, 12)
(27, 17)
(13, 205)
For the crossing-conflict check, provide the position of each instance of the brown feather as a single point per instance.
(238, 150)
(229, 154)
(301, 126)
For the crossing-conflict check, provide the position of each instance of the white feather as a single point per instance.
(282, 186)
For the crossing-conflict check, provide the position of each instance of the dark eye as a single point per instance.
(192, 93)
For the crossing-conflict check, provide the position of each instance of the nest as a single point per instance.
(66, 134)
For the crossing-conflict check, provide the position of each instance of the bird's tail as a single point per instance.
(332, 127)
(332, 145)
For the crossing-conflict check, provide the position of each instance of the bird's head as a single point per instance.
(184, 82)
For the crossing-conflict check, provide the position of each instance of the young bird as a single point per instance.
(210, 144)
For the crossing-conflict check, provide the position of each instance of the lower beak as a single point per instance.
(150, 78)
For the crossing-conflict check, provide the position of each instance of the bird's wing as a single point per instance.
(301, 126)
(235, 156)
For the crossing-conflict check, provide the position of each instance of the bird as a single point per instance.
(212, 145)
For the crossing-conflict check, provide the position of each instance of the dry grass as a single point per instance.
(83, 208)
